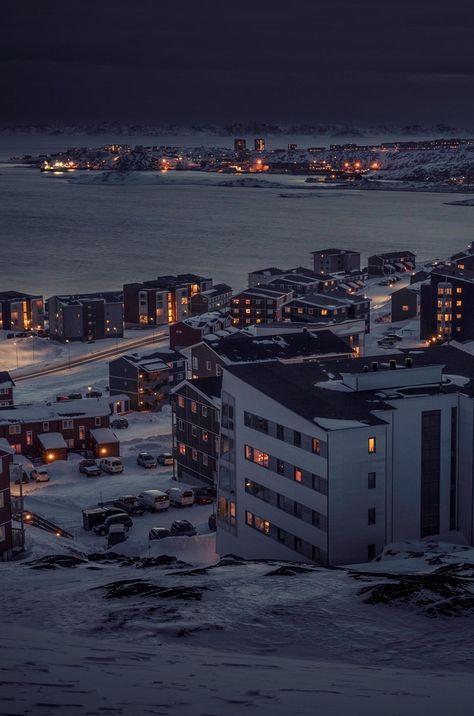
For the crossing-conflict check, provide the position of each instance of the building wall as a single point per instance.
(333, 263)
(5, 506)
(404, 304)
(204, 362)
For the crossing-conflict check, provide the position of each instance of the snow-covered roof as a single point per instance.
(6, 447)
(52, 441)
(86, 407)
(104, 435)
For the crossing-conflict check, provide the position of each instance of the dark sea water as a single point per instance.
(57, 236)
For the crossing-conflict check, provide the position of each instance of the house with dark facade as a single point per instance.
(327, 261)
(210, 357)
(322, 307)
(6, 390)
(165, 299)
(147, 380)
(21, 311)
(405, 303)
(86, 317)
(52, 430)
(192, 330)
(263, 276)
(214, 299)
(196, 422)
(391, 262)
(6, 532)
(258, 305)
(447, 304)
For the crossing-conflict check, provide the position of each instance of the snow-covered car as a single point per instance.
(180, 497)
(89, 468)
(39, 474)
(121, 519)
(119, 423)
(182, 528)
(146, 459)
(111, 464)
(158, 533)
(117, 533)
(204, 495)
(129, 504)
(165, 458)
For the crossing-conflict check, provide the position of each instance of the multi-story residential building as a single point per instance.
(21, 311)
(6, 532)
(214, 299)
(259, 144)
(213, 354)
(6, 390)
(405, 303)
(302, 281)
(192, 330)
(263, 276)
(391, 262)
(196, 420)
(50, 431)
(331, 462)
(86, 317)
(447, 304)
(258, 305)
(147, 380)
(162, 300)
(327, 261)
(327, 307)
(240, 145)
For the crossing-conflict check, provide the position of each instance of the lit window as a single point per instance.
(405, 308)
(205, 436)
(194, 454)
(458, 303)
(182, 449)
(248, 452)
(371, 447)
(247, 310)
(193, 406)
(458, 315)
(298, 475)
(180, 401)
(324, 312)
(459, 290)
(316, 446)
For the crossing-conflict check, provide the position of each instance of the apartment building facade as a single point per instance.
(165, 299)
(196, 422)
(447, 304)
(391, 262)
(327, 261)
(86, 317)
(147, 380)
(194, 329)
(216, 298)
(258, 305)
(321, 307)
(21, 311)
(331, 469)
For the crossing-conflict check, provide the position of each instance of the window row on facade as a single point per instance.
(288, 435)
(296, 544)
(286, 469)
(286, 504)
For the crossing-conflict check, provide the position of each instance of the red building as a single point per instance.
(6, 390)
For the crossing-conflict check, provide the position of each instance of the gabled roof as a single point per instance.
(6, 379)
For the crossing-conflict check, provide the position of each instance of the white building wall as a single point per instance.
(465, 465)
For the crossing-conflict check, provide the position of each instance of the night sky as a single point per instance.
(355, 61)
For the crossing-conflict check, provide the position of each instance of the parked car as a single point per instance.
(10, 335)
(96, 515)
(39, 474)
(145, 459)
(93, 394)
(117, 533)
(62, 398)
(22, 334)
(129, 504)
(75, 396)
(154, 500)
(212, 522)
(158, 533)
(182, 528)
(111, 464)
(165, 458)
(204, 495)
(180, 497)
(89, 468)
(119, 423)
(120, 519)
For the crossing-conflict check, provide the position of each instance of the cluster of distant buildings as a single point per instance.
(319, 452)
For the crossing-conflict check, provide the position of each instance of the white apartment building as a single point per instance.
(329, 462)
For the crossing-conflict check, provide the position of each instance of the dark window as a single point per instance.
(453, 481)
(371, 516)
(372, 480)
(280, 467)
(296, 439)
(280, 432)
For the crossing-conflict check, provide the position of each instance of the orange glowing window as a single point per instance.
(371, 445)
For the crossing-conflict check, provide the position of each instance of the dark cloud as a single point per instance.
(199, 60)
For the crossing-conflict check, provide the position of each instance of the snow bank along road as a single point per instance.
(89, 357)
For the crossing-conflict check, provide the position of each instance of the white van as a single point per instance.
(180, 497)
(154, 500)
(111, 464)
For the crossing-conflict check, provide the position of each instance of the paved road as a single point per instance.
(124, 347)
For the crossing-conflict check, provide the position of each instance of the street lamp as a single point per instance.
(33, 346)
(68, 353)
(16, 350)
(116, 340)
